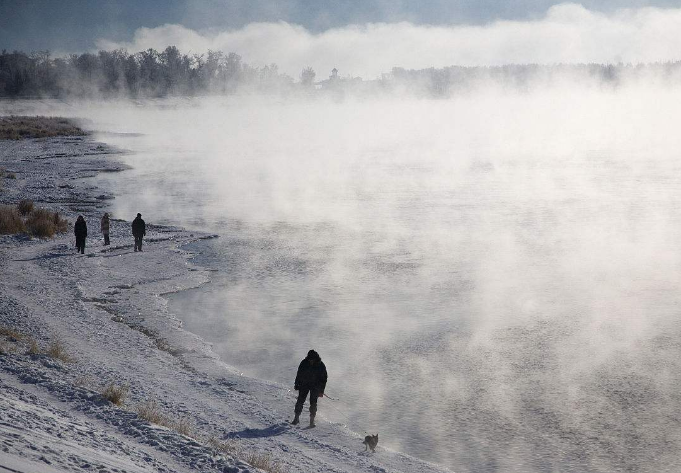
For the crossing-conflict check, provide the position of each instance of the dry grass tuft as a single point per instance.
(16, 341)
(150, 412)
(61, 225)
(115, 394)
(33, 347)
(25, 207)
(263, 461)
(19, 127)
(11, 334)
(227, 447)
(10, 221)
(57, 350)
(185, 427)
(44, 223)
(7, 348)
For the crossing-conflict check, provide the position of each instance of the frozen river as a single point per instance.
(492, 280)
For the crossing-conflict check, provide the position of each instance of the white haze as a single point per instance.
(492, 279)
(568, 33)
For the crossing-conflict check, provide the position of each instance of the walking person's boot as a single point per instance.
(296, 419)
(313, 412)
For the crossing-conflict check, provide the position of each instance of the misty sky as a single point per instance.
(76, 25)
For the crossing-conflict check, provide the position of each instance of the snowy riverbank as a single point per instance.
(106, 308)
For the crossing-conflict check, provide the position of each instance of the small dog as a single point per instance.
(370, 442)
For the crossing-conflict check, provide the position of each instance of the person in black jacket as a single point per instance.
(139, 229)
(80, 230)
(311, 378)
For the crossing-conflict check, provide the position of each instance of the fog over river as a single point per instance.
(491, 279)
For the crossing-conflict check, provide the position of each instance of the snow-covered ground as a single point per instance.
(106, 308)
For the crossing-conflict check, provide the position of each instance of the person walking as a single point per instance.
(80, 230)
(105, 228)
(139, 229)
(311, 378)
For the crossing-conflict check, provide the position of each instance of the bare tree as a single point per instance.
(307, 76)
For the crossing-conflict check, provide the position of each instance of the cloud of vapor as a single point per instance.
(501, 264)
(568, 33)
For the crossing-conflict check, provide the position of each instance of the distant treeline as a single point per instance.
(454, 79)
(112, 74)
(145, 74)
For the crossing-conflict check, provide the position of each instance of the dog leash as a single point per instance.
(343, 414)
(324, 395)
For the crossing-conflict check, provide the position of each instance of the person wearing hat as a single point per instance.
(139, 229)
(105, 228)
(311, 378)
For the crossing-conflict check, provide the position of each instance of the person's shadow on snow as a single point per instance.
(271, 431)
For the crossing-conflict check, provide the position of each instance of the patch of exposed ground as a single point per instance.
(20, 127)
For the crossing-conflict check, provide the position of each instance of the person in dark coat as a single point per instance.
(105, 228)
(311, 378)
(80, 230)
(139, 229)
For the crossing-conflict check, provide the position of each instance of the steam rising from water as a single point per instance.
(492, 280)
(568, 33)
